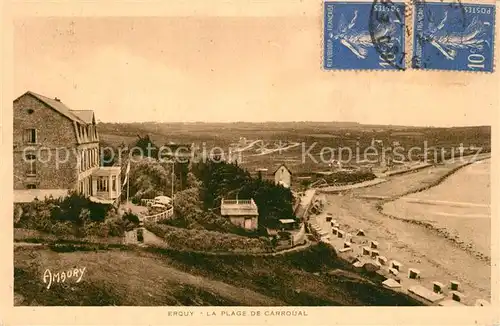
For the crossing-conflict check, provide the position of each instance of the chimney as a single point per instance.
(57, 99)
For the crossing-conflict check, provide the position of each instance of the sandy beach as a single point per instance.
(417, 245)
(459, 207)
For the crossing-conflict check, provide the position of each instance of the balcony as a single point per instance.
(238, 207)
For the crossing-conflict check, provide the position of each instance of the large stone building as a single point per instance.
(56, 150)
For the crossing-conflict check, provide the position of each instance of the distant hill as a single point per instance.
(325, 133)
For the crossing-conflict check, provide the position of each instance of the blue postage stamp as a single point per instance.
(453, 36)
(364, 35)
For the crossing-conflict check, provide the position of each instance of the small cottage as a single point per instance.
(287, 224)
(241, 212)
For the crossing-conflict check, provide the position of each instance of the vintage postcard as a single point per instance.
(250, 162)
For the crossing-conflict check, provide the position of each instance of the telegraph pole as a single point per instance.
(128, 189)
(173, 175)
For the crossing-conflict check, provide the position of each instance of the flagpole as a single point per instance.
(127, 179)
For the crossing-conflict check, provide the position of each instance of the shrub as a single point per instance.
(131, 217)
(203, 240)
(18, 212)
(149, 178)
(116, 227)
(73, 215)
(97, 229)
(62, 228)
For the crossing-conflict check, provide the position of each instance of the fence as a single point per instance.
(238, 202)
(160, 216)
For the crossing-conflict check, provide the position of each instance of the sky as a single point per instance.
(223, 69)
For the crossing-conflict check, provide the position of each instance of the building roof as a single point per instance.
(286, 167)
(391, 283)
(425, 293)
(85, 115)
(287, 221)
(56, 105)
(104, 171)
(99, 200)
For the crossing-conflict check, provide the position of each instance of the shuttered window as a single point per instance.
(30, 136)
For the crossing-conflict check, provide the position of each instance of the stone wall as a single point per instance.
(53, 131)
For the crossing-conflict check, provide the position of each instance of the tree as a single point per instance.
(226, 180)
(148, 148)
(149, 178)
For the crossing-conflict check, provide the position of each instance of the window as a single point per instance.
(31, 186)
(102, 184)
(113, 182)
(30, 111)
(30, 157)
(31, 160)
(30, 136)
(81, 162)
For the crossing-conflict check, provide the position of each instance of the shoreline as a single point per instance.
(439, 180)
(427, 225)
(386, 177)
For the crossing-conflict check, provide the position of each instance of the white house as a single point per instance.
(283, 176)
(243, 213)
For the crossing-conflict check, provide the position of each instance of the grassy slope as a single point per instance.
(161, 277)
